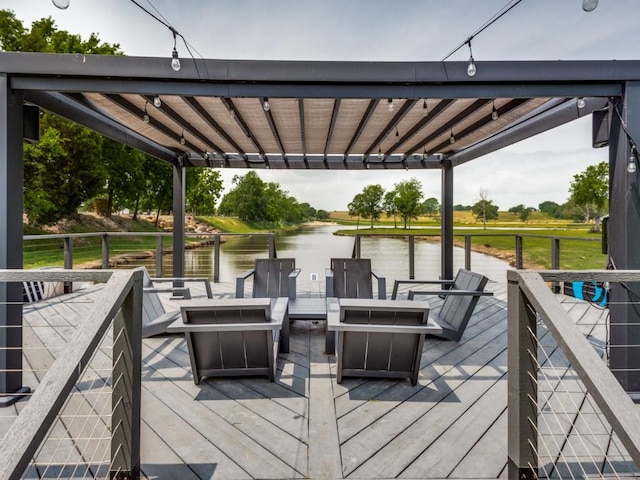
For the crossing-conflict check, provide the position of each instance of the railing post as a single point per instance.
(522, 434)
(519, 261)
(412, 264)
(126, 391)
(105, 251)
(467, 252)
(216, 259)
(68, 261)
(555, 260)
(358, 246)
(159, 255)
(272, 246)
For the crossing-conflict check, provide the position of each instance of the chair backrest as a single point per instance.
(271, 278)
(228, 349)
(457, 309)
(352, 277)
(375, 351)
(152, 306)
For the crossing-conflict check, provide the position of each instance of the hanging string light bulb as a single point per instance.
(182, 139)
(589, 5)
(494, 112)
(581, 102)
(631, 166)
(390, 106)
(471, 67)
(265, 105)
(157, 102)
(452, 138)
(145, 117)
(175, 61)
(64, 4)
(397, 135)
(425, 108)
(380, 153)
(424, 153)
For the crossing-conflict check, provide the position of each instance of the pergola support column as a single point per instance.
(179, 188)
(446, 229)
(623, 235)
(11, 183)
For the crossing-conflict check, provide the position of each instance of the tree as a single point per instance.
(158, 191)
(589, 191)
(389, 206)
(484, 209)
(408, 197)
(370, 202)
(550, 208)
(356, 208)
(203, 189)
(430, 207)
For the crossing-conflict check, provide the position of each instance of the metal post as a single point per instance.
(412, 260)
(126, 391)
(105, 251)
(522, 437)
(179, 186)
(467, 252)
(519, 261)
(624, 231)
(68, 261)
(555, 260)
(358, 246)
(11, 186)
(159, 254)
(447, 221)
(216, 259)
(272, 246)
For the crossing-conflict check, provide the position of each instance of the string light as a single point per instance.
(589, 5)
(182, 139)
(157, 102)
(494, 112)
(390, 106)
(265, 105)
(145, 117)
(581, 102)
(64, 4)
(631, 166)
(425, 108)
(397, 135)
(175, 61)
(380, 153)
(452, 138)
(424, 154)
(471, 67)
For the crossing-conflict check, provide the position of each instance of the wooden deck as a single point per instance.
(453, 424)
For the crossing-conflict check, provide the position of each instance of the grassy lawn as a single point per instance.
(231, 225)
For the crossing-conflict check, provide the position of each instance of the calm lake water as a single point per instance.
(314, 246)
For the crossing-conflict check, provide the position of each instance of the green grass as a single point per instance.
(232, 225)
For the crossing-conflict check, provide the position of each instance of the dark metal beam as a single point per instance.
(545, 119)
(362, 125)
(400, 114)
(446, 228)
(233, 110)
(274, 129)
(95, 120)
(507, 107)
(209, 120)
(332, 124)
(179, 189)
(180, 120)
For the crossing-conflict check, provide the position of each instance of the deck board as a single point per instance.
(451, 425)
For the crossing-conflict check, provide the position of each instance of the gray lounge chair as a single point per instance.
(233, 337)
(460, 300)
(272, 278)
(351, 278)
(379, 338)
(155, 318)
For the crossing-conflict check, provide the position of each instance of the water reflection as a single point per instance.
(314, 246)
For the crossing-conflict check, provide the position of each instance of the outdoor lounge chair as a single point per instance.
(351, 278)
(460, 300)
(233, 337)
(379, 338)
(155, 318)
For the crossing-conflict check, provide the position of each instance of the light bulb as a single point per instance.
(494, 113)
(581, 103)
(471, 68)
(424, 154)
(425, 108)
(64, 4)
(266, 105)
(182, 140)
(406, 166)
(157, 102)
(390, 105)
(175, 61)
(452, 139)
(631, 166)
(145, 117)
(587, 5)
(397, 135)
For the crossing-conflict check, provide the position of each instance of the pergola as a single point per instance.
(323, 115)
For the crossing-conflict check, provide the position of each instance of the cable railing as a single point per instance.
(569, 416)
(152, 250)
(81, 356)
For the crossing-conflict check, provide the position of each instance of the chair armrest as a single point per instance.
(397, 283)
(205, 280)
(240, 282)
(292, 283)
(471, 293)
(184, 292)
(328, 273)
(382, 284)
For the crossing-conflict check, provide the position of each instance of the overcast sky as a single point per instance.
(530, 172)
